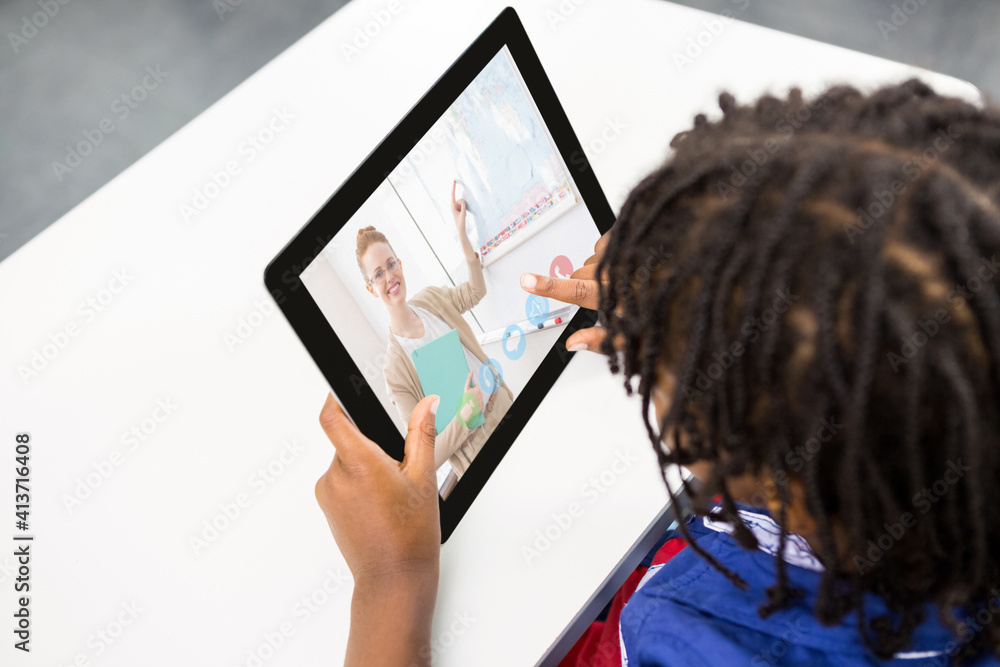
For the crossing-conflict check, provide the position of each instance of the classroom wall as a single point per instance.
(352, 326)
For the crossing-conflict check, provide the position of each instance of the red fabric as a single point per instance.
(599, 646)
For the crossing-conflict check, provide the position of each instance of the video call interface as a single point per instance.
(422, 285)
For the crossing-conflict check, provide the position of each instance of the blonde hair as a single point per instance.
(367, 236)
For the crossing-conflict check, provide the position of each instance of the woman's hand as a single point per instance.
(579, 289)
(384, 516)
(468, 411)
(458, 210)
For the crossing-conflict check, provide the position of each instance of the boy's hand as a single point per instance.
(579, 289)
(384, 516)
(383, 513)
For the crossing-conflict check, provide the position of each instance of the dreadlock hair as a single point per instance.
(831, 259)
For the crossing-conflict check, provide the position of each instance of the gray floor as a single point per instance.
(62, 80)
(66, 79)
(957, 37)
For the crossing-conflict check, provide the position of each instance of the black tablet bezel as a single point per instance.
(282, 275)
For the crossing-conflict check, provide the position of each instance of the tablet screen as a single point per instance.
(422, 284)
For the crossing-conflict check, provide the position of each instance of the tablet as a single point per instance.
(407, 281)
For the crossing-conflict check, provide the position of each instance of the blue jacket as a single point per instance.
(687, 613)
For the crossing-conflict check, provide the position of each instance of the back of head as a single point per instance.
(830, 312)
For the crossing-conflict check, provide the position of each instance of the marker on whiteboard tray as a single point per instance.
(551, 322)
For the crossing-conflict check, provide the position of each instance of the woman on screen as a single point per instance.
(431, 313)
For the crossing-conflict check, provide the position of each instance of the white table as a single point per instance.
(210, 421)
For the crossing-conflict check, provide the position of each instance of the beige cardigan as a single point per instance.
(456, 443)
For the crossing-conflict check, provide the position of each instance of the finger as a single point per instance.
(586, 339)
(585, 272)
(602, 243)
(454, 184)
(468, 381)
(580, 292)
(418, 453)
(599, 247)
(347, 440)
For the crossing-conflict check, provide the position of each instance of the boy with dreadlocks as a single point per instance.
(822, 352)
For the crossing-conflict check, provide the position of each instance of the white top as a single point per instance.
(434, 328)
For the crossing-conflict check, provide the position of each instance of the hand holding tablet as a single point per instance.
(383, 514)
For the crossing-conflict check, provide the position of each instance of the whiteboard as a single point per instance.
(492, 140)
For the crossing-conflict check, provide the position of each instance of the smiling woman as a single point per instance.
(431, 315)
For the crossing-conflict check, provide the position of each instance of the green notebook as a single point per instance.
(443, 370)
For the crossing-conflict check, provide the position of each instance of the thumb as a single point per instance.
(587, 339)
(418, 452)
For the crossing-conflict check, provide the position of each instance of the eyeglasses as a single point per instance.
(379, 275)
